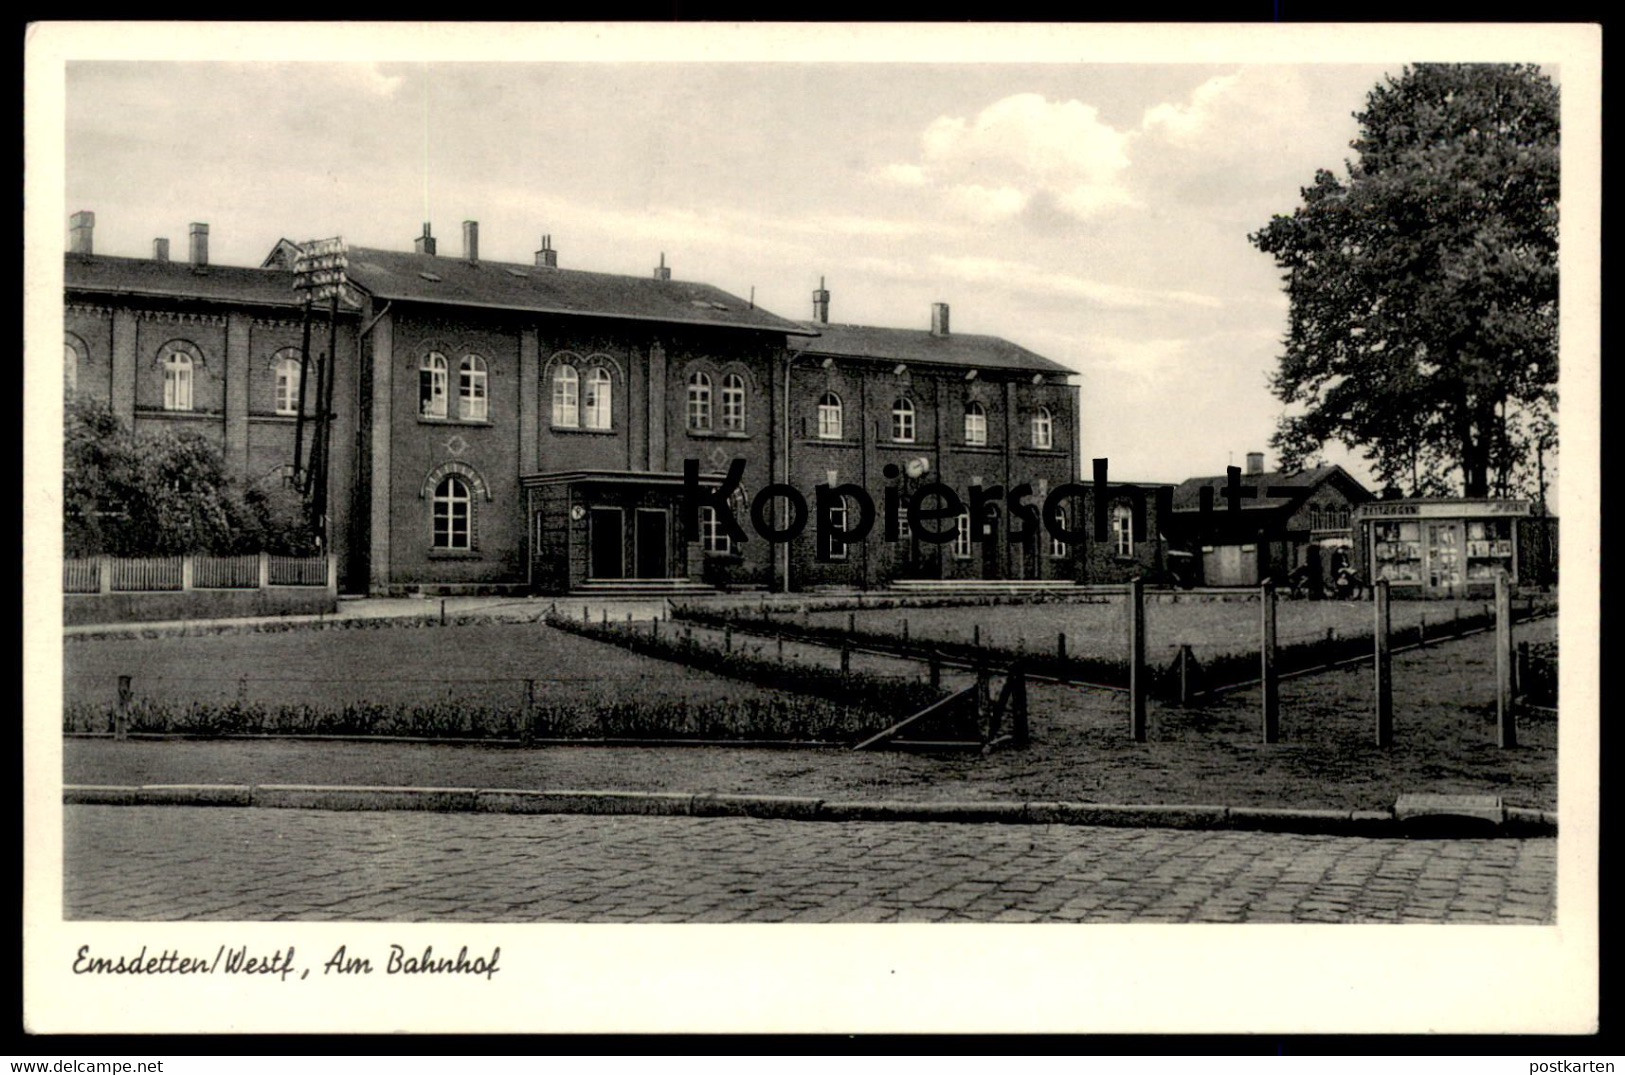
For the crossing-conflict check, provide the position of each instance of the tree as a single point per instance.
(161, 495)
(1423, 287)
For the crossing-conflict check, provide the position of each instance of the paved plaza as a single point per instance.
(173, 863)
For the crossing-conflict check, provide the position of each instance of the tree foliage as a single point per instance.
(1423, 287)
(165, 494)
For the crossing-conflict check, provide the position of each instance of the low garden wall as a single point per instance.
(106, 589)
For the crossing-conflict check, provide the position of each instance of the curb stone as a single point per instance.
(1519, 821)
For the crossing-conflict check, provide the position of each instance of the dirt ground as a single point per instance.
(1444, 742)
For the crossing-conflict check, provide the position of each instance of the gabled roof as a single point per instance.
(178, 279)
(919, 345)
(1284, 489)
(389, 274)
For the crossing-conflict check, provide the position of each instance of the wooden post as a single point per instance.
(780, 640)
(1271, 685)
(1019, 733)
(728, 638)
(1384, 662)
(935, 664)
(976, 635)
(1185, 674)
(442, 612)
(1422, 631)
(527, 714)
(186, 573)
(1060, 645)
(846, 656)
(851, 623)
(265, 570)
(1505, 720)
(984, 708)
(584, 615)
(606, 616)
(654, 627)
(1136, 660)
(905, 633)
(121, 715)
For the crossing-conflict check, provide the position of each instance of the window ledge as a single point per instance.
(582, 431)
(160, 412)
(964, 447)
(830, 443)
(454, 554)
(475, 422)
(718, 434)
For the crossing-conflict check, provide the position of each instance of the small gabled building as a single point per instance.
(1278, 518)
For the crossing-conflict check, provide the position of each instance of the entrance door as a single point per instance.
(992, 565)
(651, 544)
(606, 535)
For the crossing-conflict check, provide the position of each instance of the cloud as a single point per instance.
(992, 166)
(1183, 122)
(1025, 278)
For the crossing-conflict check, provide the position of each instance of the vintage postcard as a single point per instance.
(838, 528)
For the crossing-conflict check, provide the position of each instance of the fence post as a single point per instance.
(186, 573)
(1422, 631)
(851, 623)
(1018, 706)
(1505, 720)
(1060, 645)
(984, 708)
(1271, 685)
(584, 615)
(905, 633)
(104, 574)
(442, 612)
(527, 715)
(1384, 662)
(1136, 660)
(846, 656)
(333, 574)
(728, 638)
(265, 570)
(935, 664)
(779, 641)
(976, 635)
(121, 715)
(1185, 657)
(654, 627)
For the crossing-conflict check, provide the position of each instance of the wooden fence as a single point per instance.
(181, 574)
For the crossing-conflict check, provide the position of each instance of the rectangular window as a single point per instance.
(712, 537)
(432, 392)
(1123, 531)
(733, 404)
(837, 524)
(829, 421)
(178, 387)
(1057, 547)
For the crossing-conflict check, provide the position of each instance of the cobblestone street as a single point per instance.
(171, 863)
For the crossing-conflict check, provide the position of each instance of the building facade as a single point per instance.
(506, 427)
(1281, 519)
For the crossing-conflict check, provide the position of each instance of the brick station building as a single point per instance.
(522, 428)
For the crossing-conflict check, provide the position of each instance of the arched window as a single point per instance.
(829, 416)
(432, 386)
(733, 403)
(1043, 428)
(598, 414)
(472, 404)
(902, 421)
(287, 385)
(70, 369)
(177, 381)
(566, 397)
(975, 423)
(453, 514)
(1122, 531)
(699, 401)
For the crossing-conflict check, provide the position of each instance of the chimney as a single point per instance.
(1255, 463)
(80, 227)
(160, 250)
(547, 257)
(661, 272)
(471, 242)
(424, 244)
(939, 319)
(821, 304)
(200, 246)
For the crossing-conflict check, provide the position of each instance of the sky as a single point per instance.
(1095, 213)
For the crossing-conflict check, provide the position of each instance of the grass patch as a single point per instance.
(442, 683)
